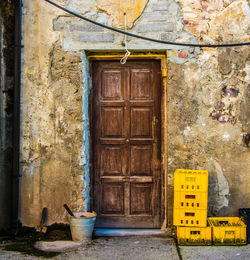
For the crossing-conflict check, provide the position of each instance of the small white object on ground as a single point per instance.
(56, 246)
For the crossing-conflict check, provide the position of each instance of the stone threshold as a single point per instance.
(101, 232)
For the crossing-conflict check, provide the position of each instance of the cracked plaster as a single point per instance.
(199, 81)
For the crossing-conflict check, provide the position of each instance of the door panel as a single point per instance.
(111, 87)
(141, 160)
(141, 199)
(141, 87)
(126, 144)
(112, 121)
(112, 159)
(141, 122)
(112, 201)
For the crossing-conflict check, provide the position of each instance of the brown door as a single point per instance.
(126, 144)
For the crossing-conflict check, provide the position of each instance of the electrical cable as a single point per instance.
(146, 38)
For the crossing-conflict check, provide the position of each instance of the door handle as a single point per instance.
(155, 120)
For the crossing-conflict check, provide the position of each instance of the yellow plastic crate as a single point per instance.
(190, 200)
(228, 231)
(191, 180)
(194, 235)
(192, 218)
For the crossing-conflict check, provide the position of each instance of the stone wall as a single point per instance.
(6, 109)
(208, 97)
(208, 120)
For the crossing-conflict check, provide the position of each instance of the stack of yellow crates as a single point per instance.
(190, 207)
(190, 213)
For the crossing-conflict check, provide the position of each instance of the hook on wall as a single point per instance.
(124, 59)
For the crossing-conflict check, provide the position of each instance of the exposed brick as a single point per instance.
(96, 37)
(58, 25)
(156, 27)
(161, 6)
(168, 36)
(182, 54)
(86, 28)
(156, 16)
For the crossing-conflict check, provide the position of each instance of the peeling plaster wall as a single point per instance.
(52, 120)
(208, 98)
(208, 120)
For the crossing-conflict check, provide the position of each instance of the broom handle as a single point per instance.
(69, 211)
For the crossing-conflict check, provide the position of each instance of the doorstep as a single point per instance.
(102, 232)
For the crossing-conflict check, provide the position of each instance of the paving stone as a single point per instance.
(123, 248)
(215, 253)
(136, 247)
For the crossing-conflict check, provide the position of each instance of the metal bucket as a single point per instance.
(82, 226)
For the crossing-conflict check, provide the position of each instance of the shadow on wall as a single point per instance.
(7, 20)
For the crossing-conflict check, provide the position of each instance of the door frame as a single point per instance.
(162, 57)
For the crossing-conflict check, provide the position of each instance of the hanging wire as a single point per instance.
(147, 38)
(124, 59)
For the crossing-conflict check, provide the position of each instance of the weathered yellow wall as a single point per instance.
(117, 8)
(51, 120)
(208, 97)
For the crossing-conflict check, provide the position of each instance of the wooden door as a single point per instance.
(126, 144)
